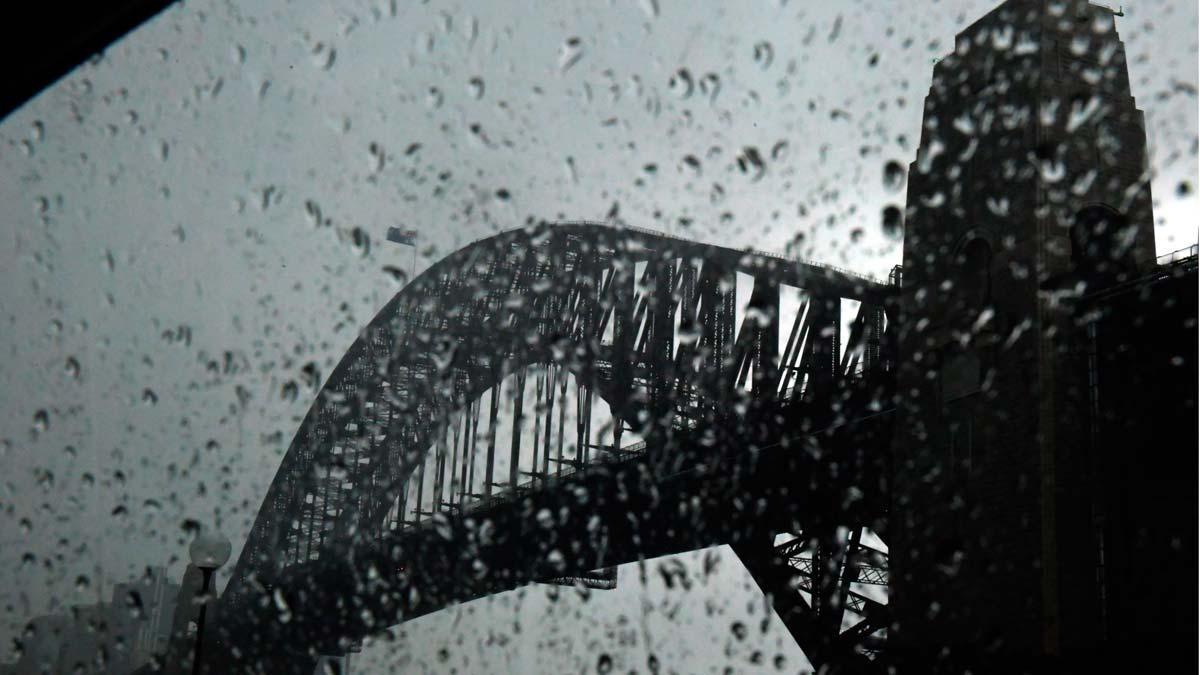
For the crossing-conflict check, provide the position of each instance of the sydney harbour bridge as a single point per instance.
(550, 402)
(721, 429)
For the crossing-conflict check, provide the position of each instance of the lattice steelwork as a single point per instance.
(643, 321)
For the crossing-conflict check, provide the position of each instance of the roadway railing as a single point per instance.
(1179, 254)
(1169, 264)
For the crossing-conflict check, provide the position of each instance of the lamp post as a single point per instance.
(208, 552)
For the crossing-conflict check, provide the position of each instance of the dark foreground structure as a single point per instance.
(1014, 412)
(1044, 469)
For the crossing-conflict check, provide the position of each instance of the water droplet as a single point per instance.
(82, 583)
(377, 156)
(480, 135)
(984, 318)
(569, 53)
(313, 210)
(1052, 170)
(360, 241)
(71, 368)
(750, 162)
(964, 124)
(324, 56)
(441, 525)
(285, 612)
(681, 84)
(650, 7)
(894, 175)
(475, 88)
(41, 421)
(710, 86)
(133, 602)
(893, 222)
(1002, 37)
(1183, 189)
(1081, 112)
(1080, 45)
(764, 54)
(434, 97)
(311, 375)
(149, 397)
(927, 153)
(398, 276)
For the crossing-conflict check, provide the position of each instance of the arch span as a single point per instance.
(648, 322)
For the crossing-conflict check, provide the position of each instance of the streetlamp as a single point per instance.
(208, 552)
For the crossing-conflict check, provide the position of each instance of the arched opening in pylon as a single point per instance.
(1102, 241)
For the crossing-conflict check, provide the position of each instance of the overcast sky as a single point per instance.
(178, 244)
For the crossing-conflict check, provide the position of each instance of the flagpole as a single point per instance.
(405, 238)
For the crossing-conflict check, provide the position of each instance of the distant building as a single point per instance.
(112, 638)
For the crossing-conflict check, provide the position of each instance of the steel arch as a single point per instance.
(535, 295)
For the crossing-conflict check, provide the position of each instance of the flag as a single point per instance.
(403, 237)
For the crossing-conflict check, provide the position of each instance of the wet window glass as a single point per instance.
(637, 336)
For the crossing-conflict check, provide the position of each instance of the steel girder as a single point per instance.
(566, 295)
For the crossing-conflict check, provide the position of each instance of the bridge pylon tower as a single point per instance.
(1030, 191)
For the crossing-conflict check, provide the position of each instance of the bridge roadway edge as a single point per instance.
(790, 479)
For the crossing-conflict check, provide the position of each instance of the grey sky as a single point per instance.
(179, 182)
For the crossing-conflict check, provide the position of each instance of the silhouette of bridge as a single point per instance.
(977, 410)
(646, 324)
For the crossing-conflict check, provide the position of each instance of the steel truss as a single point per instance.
(643, 321)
